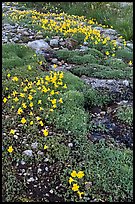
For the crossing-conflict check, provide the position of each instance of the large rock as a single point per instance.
(39, 45)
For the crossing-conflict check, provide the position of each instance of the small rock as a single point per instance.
(46, 160)
(22, 162)
(31, 179)
(39, 170)
(54, 42)
(51, 191)
(34, 145)
(46, 168)
(126, 82)
(16, 137)
(54, 60)
(70, 144)
(102, 113)
(28, 152)
(40, 153)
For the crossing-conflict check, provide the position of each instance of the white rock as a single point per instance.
(51, 191)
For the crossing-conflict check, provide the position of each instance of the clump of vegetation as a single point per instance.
(125, 114)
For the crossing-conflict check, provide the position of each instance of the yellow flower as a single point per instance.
(65, 86)
(30, 97)
(51, 110)
(60, 100)
(38, 118)
(31, 104)
(41, 109)
(130, 63)
(9, 96)
(107, 53)
(80, 194)
(14, 93)
(29, 67)
(39, 101)
(12, 131)
(52, 92)
(53, 101)
(40, 62)
(16, 99)
(25, 89)
(8, 75)
(45, 132)
(23, 121)
(24, 105)
(73, 174)
(22, 95)
(113, 55)
(31, 122)
(54, 66)
(75, 187)
(6, 88)
(4, 100)
(45, 147)
(54, 106)
(41, 123)
(10, 149)
(80, 174)
(70, 180)
(19, 111)
(15, 78)
(31, 113)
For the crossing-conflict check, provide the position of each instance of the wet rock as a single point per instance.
(28, 153)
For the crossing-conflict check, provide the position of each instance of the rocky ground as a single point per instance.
(106, 125)
(121, 90)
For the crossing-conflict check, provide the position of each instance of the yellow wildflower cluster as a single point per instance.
(75, 186)
(66, 25)
(41, 95)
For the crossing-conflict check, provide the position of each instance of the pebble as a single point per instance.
(51, 191)
(46, 159)
(55, 61)
(28, 152)
(70, 144)
(15, 136)
(46, 169)
(22, 162)
(39, 170)
(34, 145)
(31, 179)
(40, 153)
